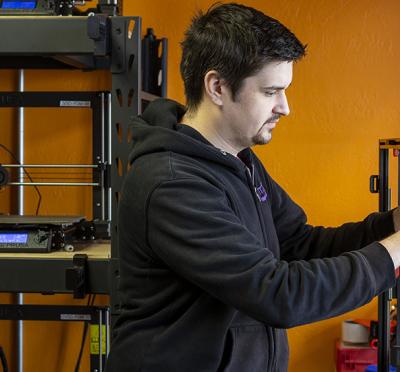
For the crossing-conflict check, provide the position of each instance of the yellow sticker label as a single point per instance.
(94, 339)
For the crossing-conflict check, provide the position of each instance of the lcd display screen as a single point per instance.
(19, 238)
(23, 4)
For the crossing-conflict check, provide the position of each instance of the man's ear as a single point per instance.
(213, 87)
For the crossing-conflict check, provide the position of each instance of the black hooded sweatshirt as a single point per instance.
(216, 260)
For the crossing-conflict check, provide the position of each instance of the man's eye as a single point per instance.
(270, 94)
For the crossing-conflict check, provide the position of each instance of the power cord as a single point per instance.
(90, 302)
(27, 174)
(3, 360)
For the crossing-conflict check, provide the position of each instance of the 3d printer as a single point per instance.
(56, 7)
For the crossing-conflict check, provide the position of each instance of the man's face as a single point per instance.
(258, 105)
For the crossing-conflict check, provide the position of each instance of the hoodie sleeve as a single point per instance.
(298, 240)
(191, 227)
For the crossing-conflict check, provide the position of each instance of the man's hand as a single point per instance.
(392, 244)
(396, 219)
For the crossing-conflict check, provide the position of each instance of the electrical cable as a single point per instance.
(90, 302)
(27, 174)
(3, 360)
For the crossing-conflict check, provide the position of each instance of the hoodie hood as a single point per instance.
(158, 130)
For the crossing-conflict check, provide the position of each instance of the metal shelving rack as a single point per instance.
(101, 41)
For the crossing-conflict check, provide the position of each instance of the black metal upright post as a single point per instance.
(384, 298)
(125, 103)
(100, 137)
(383, 180)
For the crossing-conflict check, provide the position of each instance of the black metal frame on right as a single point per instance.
(387, 353)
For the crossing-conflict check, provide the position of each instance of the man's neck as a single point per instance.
(207, 126)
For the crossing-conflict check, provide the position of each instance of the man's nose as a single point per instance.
(282, 105)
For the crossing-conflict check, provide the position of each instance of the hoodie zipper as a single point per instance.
(251, 180)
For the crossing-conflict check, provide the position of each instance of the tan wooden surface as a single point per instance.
(94, 250)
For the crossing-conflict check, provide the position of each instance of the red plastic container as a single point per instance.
(354, 358)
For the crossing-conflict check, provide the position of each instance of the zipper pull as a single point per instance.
(261, 193)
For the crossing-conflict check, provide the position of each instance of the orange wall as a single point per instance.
(344, 97)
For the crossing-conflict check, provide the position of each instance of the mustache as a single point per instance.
(273, 118)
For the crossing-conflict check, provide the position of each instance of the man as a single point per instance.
(216, 259)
